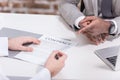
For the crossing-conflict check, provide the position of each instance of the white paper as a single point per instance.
(41, 52)
(3, 46)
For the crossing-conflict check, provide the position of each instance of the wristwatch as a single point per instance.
(76, 28)
(112, 29)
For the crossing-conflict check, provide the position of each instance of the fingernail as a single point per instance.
(30, 49)
(55, 51)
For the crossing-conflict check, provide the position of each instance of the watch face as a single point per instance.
(112, 29)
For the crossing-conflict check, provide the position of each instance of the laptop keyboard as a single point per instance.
(112, 60)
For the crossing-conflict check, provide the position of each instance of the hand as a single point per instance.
(17, 43)
(55, 65)
(96, 26)
(93, 35)
(84, 24)
(96, 39)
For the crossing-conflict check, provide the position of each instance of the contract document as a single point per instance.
(42, 51)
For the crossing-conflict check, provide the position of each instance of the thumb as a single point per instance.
(86, 28)
(63, 57)
(88, 18)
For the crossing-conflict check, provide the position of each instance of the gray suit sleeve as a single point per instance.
(69, 11)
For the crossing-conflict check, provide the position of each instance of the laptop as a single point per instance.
(110, 56)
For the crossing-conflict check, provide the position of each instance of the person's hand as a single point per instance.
(96, 26)
(83, 24)
(96, 39)
(18, 43)
(55, 62)
(91, 28)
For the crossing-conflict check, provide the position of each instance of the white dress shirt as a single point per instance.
(44, 74)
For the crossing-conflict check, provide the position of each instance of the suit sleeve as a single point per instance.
(69, 11)
(3, 46)
(44, 74)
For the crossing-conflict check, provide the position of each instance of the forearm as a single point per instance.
(2, 75)
(44, 74)
(3, 46)
(69, 11)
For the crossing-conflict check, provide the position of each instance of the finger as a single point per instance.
(86, 28)
(102, 40)
(53, 54)
(104, 36)
(84, 24)
(88, 32)
(63, 57)
(60, 55)
(31, 39)
(95, 40)
(89, 18)
(24, 48)
(89, 36)
(92, 38)
(34, 40)
(84, 32)
(99, 38)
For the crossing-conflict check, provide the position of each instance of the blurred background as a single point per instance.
(30, 6)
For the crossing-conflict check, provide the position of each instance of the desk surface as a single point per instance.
(81, 64)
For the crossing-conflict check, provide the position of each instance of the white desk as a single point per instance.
(82, 63)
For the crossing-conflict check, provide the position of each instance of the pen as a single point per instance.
(56, 56)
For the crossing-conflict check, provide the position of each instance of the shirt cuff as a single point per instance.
(4, 46)
(78, 20)
(44, 74)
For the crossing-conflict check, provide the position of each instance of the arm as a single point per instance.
(51, 70)
(69, 11)
(2, 75)
(3, 46)
(16, 44)
(13, 44)
(100, 26)
(44, 74)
